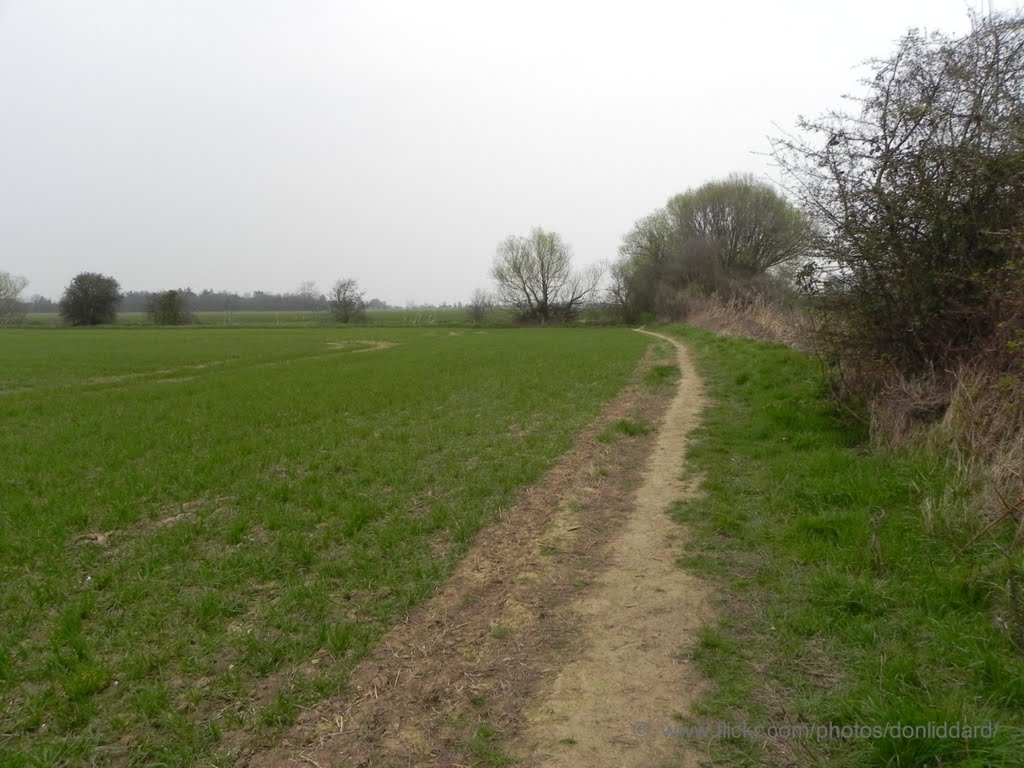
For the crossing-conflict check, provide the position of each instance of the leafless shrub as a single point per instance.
(480, 303)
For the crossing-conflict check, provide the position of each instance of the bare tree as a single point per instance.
(11, 307)
(479, 304)
(619, 293)
(534, 277)
(346, 301)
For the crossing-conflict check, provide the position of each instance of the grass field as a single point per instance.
(842, 600)
(201, 530)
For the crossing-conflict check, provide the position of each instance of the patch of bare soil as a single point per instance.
(370, 345)
(563, 623)
(169, 516)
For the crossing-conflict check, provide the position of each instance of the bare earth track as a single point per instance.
(564, 629)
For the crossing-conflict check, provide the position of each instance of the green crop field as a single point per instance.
(201, 530)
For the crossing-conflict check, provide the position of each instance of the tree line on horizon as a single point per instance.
(897, 228)
(95, 299)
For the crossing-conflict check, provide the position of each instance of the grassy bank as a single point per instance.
(842, 601)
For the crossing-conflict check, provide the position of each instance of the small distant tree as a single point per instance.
(346, 302)
(90, 299)
(169, 308)
(535, 277)
(12, 309)
(479, 305)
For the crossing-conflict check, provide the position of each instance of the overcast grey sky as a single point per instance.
(252, 145)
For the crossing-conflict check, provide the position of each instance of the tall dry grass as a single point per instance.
(754, 317)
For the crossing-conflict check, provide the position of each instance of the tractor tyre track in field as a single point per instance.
(560, 639)
(166, 375)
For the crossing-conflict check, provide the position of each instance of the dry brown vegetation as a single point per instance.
(758, 317)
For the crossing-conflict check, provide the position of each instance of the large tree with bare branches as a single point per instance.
(11, 306)
(535, 277)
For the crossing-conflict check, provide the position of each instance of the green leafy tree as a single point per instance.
(90, 299)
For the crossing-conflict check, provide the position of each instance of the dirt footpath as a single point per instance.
(560, 638)
(611, 706)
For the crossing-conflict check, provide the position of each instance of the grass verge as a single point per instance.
(841, 603)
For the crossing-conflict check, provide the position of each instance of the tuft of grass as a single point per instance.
(482, 749)
(661, 376)
(627, 427)
(501, 632)
(841, 601)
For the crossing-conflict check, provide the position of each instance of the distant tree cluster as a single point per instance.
(40, 303)
(306, 299)
(95, 299)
